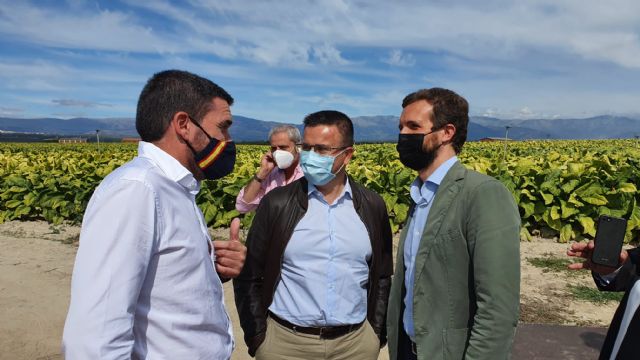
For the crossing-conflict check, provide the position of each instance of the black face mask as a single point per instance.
(217, 159)
(412, 154)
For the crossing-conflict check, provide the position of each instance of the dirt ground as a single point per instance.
(36, 263)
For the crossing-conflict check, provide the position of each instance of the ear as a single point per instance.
(181, 124)
(448, 132)
(348, 154)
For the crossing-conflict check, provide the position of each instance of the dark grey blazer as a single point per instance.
(624, 281)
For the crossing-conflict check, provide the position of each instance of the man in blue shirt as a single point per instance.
(316, 280)
(455, 294)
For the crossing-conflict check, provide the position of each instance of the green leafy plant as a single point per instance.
(560, 187)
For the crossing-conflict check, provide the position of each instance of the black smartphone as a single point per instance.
(609, 239)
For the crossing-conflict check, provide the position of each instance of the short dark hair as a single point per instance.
(332, 117)
(448, 108)
(170, 91)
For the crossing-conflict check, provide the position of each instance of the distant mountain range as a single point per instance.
(367, 128)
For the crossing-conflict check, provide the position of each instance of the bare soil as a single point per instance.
(36, 263)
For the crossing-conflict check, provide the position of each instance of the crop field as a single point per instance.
(561, 187)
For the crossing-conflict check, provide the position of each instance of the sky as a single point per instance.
(284, 59)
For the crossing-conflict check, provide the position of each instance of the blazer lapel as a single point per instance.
(447, 192)
(400, 251)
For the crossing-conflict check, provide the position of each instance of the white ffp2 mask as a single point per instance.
(283, 158)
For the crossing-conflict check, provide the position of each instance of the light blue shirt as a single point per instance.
(324, 274)
(422, 195)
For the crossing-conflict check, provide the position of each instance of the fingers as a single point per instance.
(230, 257)
(230, 249)
(585, 250)
(578, 246)
(266, 165)
(581, 249)
(581, 254)
(228, 272)
(588, 265)
(624, 255)
(234, 230)
(233, 254)
(228, 245)
(580, 266)
(230, 264)
(267, 158)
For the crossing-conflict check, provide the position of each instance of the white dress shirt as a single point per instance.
(144, 285)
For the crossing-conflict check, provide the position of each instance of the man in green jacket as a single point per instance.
(455, 293)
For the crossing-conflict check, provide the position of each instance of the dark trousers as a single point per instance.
(406, 347)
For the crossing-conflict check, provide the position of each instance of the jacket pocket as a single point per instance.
(454, 343)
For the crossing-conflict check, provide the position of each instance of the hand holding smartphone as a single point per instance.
(608, 241)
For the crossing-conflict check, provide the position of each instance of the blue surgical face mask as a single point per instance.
(317, 168)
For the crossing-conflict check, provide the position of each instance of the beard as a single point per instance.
(414, 153)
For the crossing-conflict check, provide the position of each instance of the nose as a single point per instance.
(226, 136)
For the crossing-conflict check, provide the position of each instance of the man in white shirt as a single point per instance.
(146, 283)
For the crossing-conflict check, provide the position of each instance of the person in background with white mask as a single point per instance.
(319, 264)
(278, 167)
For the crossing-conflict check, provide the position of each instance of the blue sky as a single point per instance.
(283, 59)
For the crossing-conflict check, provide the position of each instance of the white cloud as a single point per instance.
(10, 111)
(398, 58)
(502, 29)
(294, 32)
(562, 56)
(525, 112)
(78, 103)
(278, 53)
(328, 55)
(34, 76)
(63, 115)
(94, 30)
(509, 113)
(43, 76)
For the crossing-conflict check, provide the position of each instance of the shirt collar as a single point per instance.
(169, 166)
(296, 171)
(419, 189)
(346, 191)
(442, 171)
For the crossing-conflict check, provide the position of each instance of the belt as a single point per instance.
(324, 332)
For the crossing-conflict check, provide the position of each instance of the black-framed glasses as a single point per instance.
(321, 149)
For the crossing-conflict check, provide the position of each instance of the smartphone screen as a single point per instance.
(608, 242)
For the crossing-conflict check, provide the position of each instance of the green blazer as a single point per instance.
(467, 281)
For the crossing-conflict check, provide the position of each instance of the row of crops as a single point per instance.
(561, 187)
